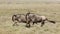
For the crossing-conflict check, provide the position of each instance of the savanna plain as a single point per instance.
(50, 10)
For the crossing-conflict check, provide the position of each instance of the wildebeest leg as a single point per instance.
(28, 24)
(43, 22)
(34, 23)
(15, 24)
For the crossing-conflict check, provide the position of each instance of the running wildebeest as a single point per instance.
(34, 18)
(17, 18)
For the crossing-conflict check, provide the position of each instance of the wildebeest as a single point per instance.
(18, 18)
(35, 18)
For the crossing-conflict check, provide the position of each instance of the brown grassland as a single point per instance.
(51, 11)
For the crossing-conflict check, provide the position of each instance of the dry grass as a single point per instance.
(51, 11)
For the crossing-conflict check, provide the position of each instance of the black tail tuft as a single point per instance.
(52, 22)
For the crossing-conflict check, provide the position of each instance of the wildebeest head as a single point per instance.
(19, 18)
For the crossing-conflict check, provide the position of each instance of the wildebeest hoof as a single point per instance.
(28, 26)
(15, 25)
(41, 25)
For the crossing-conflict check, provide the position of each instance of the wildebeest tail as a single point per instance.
(13, 18)
(51, 21)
